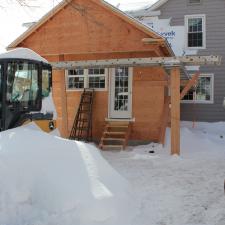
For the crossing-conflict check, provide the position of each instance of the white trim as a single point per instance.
(203, 17)
(125, 114)
(212, 92)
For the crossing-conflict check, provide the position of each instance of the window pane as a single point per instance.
(46, 82)
(195, 39)
(203, 92)
(22, 82)
(76, 79)
(96, 78)
(76, 82)
(195, 32)
(76, 72)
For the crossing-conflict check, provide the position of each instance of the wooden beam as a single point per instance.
(190, 84)
(153, 40)
(175, 111)
(136, 62)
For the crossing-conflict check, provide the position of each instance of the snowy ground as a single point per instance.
(186, 190)
(47, 180)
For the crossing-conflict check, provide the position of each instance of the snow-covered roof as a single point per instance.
(157, 4)
(22, 53)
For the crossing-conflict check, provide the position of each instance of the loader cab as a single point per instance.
(25, 80)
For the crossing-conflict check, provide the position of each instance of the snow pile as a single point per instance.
(22, 53)
(178, 190)
(48, 106)
(46, 180)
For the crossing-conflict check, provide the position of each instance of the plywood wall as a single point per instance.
(96, 33)
(148, 101)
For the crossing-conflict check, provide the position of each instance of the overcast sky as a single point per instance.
(12, 16)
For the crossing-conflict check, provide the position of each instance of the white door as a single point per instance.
(121, 93)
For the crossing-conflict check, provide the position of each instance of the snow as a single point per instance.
(48, 106)
(48, 180)
(22, 53)
(178, 190)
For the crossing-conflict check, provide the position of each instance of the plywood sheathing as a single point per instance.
(95, 31)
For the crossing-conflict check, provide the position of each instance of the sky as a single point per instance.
(12, 15)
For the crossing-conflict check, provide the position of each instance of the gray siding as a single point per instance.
(215, 44)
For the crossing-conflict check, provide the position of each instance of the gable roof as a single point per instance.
(134, 22)
(157, 4)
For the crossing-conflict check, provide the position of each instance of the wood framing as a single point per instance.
(189, 85)
(93, 35)
(136, 62)
(175, 111)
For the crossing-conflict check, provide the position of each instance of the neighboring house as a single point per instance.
(94, 30)
(194, 27)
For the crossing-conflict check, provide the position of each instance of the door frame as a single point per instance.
(130, 91)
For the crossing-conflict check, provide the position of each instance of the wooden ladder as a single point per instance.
(115, 136)
(82, 126)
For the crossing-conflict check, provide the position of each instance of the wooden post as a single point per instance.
(59, 91)
(175, 111)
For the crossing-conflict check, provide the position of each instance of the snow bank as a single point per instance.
(48, 180)
(178, 190)
(22, 53)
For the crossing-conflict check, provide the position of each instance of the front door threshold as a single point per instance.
(119, 120)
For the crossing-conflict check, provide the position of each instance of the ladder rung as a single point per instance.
(82, 128)
(82, 120)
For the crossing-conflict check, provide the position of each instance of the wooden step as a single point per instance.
(117, 126)
(112, 139)
(114, 133)
(112, 147)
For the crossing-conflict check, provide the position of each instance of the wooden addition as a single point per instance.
(93, 30)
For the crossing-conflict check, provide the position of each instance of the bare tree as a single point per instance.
(23, 3)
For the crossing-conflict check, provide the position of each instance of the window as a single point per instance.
(203, 92)
(76, 79)
(195, 31)
(22, 82)
(46, 82)
(96, 78)
(86, 78)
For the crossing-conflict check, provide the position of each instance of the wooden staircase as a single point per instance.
(115, 135)
(82, 126)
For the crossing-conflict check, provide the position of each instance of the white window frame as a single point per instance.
(86, 81)
(211, 101)
(195, 16)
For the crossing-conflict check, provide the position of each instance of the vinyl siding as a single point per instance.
(215, 44)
